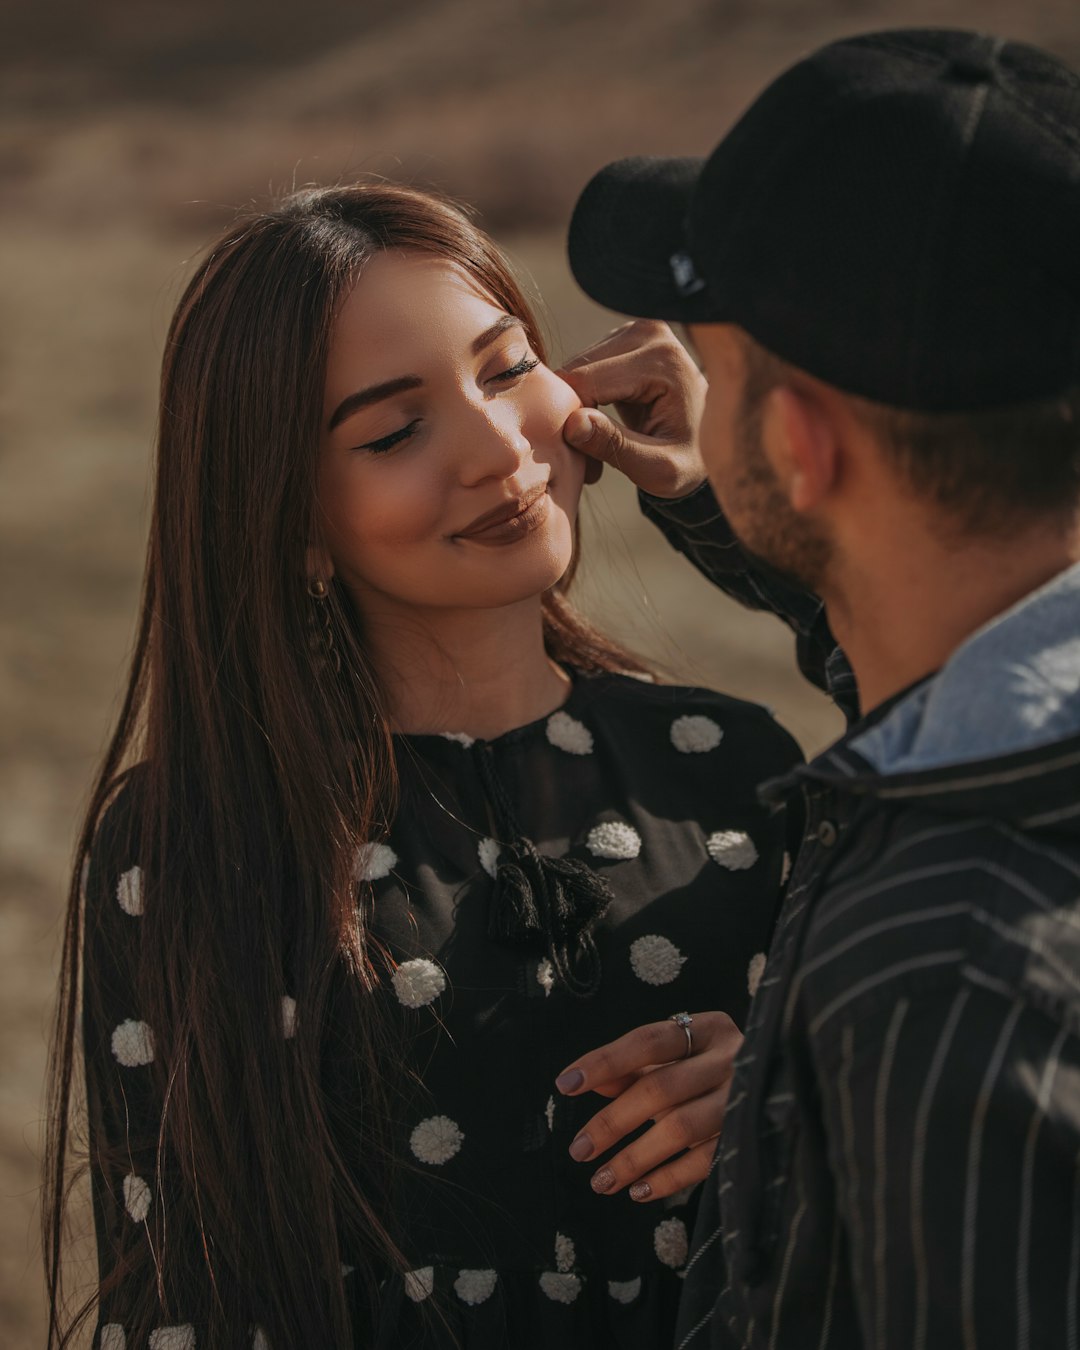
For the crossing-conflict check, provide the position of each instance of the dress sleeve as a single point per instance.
(140, 1286)
(696, 527)
(953, 1122)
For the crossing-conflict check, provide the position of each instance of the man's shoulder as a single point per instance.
(928, 902)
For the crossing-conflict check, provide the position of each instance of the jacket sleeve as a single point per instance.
(139, 1239)
(953, 1124)
(696, 527)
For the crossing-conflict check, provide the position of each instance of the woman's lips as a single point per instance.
(512, 521)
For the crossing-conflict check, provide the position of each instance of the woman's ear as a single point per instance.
(801, 441)
(319, 565)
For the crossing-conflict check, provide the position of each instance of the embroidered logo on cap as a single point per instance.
(687, 281)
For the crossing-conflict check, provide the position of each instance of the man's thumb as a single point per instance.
(592, 433)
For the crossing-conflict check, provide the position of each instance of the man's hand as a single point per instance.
(657, 391)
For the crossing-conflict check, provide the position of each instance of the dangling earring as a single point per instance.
(318, 591)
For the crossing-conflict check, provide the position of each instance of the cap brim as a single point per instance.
(628, 224)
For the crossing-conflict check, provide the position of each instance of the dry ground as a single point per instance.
(120, 150)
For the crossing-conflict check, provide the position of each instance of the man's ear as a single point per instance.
(800, 439)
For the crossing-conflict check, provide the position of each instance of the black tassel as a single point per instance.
(553, 903)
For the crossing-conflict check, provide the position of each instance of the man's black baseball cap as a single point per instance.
(897, 214)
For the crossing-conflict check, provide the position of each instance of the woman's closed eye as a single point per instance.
(516, 371)
(505, 377)
(395, 438)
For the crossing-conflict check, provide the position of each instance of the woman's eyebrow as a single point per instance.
(488, 336)
(363, 398)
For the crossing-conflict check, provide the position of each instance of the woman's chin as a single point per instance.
(527, 577)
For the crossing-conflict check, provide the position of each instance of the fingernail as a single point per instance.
(570, 1081)
(640, 1190)
(581, 1148)
(603, 1180)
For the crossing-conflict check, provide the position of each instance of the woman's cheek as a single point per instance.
(563, 397)
(551, 403)
(380, 506)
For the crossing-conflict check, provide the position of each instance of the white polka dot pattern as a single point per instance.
(475, 1286)
(681, 1197)
(733, 849)
(436, 1140)
(288, 1016)
(113, 1337)
(374, 861)
(136, 1197)
(567, 733)
(671, 1242)
(462, 738)
(624, 1291)
(545, 975)
(565, 1255)
(420, 1283)
(488, 852)
(133, 1044)
(559, 1287)
(754, 972)
(173, 1338)
(129, 892)
(614, 839)
(695, 735)
(418, 982)
(655, 959)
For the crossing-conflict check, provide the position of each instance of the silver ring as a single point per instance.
(684, 1020)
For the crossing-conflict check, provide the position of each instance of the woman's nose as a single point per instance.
(495, 444)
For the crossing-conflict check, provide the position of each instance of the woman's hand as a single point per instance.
(649, 1077)
(659, 393)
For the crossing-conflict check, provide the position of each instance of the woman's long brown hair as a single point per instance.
(260, 770)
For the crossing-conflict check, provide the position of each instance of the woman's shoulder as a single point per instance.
(695, 719)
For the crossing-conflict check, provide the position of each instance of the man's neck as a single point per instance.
(902, 611)
(480, 672)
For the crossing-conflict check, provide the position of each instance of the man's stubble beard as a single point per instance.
(759, 512)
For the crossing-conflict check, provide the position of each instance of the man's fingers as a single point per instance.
(627, 337)
(619, 380)
(662, 467)
(594, 435)
(646, 460)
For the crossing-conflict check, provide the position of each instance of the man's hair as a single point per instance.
(994, 471)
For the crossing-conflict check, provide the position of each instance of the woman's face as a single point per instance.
(444, 479)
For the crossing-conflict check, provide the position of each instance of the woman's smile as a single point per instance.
(512, 521)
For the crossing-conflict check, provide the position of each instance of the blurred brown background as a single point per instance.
(129, 135)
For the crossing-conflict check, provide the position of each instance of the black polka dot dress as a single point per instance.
(652, 787)
(538, 894)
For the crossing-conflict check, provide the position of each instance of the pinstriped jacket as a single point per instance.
(900, 1165)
